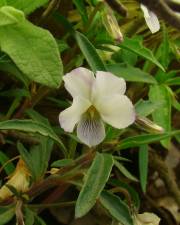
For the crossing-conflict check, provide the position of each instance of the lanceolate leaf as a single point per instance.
(145, 139)
(129, 188)
(6, 215)
(94, 183)
(34, 51)
(89, 52)
(116, 207)
(38, 157)
(130, 73)
(9, 168)
(82, 9)
(136, 46)
(143, 166)
(124, 171)
(30, 126)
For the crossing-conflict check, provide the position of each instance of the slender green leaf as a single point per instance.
(34, 115)
(27, 6)
(130, 73)
(9, 67)
(34, 51)
(116, 207)
(94, 183)
(62, 162)
(162, 115)
(145, 107)
(124, 171)
(143, 166)
(6, 215)
(89, 52)
(82, 9)
(136, 46)
(38, 157)
(29, 216)
(9, 168)
(173, 81)
(30, 126)
(130, 189)
(145, 139)
(164, 49)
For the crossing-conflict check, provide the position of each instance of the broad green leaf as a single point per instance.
(137, 47)
(89, 52)
(94, 183)
(130, 189)
(116, 207)
(130, 73)
(162, 115)
(145, 107)
(30, 126)
(6, 215)
(124, 171)
(136, 141)
(143, 166)
(10, 15)
(9, 168)
(34, 51)
(80, 5)
(27, 6)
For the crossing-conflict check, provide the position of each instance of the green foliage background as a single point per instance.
(42, 40)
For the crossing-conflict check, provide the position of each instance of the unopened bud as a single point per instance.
(148, 125)
(111, 25)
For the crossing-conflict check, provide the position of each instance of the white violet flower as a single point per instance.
(95, 99)
(151, 19)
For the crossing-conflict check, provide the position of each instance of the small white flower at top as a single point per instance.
(96, 98)
(151, 19)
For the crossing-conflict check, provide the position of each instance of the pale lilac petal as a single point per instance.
(116, 110)
(70, 116)
(91, 131)
(151, 19)
(107, 84)
(79, 82)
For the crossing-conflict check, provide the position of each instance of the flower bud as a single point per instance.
(148, 125)
(111, 25)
